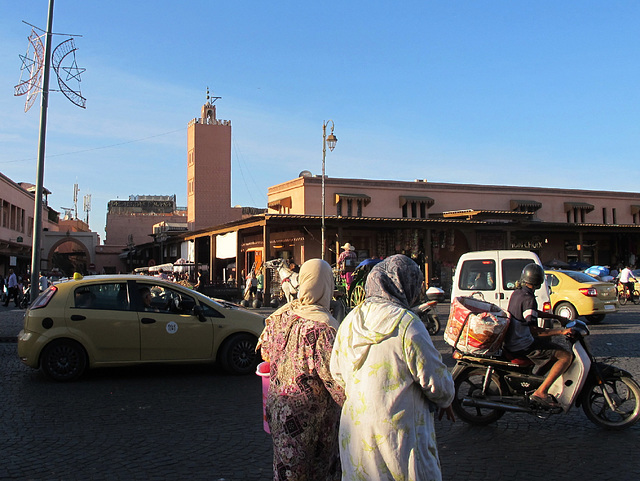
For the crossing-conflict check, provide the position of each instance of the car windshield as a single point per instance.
(580, 277)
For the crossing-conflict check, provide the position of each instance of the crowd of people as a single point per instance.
(16, 287)
(356, 400)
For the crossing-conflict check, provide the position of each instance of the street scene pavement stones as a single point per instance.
(195, 422)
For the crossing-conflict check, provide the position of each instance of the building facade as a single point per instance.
(17, 203)
(435, 223)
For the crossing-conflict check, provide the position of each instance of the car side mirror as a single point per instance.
(199, 311)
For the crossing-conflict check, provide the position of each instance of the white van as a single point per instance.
(492, 276)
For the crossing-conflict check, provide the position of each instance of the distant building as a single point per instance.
(434, 223)
(17, 202)
(130, 222)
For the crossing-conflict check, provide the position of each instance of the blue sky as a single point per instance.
(526, 93)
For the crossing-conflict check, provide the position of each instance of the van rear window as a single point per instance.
(511, 272)
(478, 275)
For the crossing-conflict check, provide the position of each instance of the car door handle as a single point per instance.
(147, 320)
(78, 317)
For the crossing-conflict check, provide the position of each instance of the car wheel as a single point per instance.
(238, 354)
(63, 360)
(595, 318)
(565, 309)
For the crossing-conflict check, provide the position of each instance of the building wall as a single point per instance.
(139, 226)
(306, 199)
(16, 224)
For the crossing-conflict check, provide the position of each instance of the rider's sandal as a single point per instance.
(548, 402)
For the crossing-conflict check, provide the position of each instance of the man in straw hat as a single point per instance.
(347, 261)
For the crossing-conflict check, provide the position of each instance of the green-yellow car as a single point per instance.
(130, 319)
(576, 294)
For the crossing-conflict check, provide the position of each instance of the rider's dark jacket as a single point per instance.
(523, 312)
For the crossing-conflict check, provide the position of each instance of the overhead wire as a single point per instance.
(95, 148)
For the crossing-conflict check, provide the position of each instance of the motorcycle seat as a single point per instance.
(520, 361)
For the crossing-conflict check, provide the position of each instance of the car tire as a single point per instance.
(63, 360)
(595, 318)
(566, 310)
(238, 354)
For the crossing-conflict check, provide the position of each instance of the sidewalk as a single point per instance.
(11, 322)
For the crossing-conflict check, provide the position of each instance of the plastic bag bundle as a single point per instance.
(475, 326)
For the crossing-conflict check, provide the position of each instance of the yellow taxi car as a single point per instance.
(576, 294)
(130, 319)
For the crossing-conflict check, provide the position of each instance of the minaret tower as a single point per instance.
(209, 169)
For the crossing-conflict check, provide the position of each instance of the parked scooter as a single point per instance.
(25, 299)
(487, 386)
(427, 310)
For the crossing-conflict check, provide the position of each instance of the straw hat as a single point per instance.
(348, 247)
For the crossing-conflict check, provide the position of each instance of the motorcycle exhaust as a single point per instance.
(479, 403)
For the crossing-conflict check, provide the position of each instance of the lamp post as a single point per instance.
(331, 142)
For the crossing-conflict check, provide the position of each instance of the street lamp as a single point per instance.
(331, 142)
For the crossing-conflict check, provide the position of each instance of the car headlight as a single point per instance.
(25, 336)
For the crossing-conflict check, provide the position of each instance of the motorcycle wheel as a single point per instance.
(624, 391)
(469, 385)
(432, 323)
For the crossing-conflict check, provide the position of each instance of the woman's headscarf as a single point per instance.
(396, 279)
(315, 292)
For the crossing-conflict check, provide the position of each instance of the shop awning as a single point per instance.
(363, 197)
(277, 204)
(410, 199)
(530, 205)
(578, 205)
(227, 245)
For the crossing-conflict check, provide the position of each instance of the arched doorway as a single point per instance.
(68, 256)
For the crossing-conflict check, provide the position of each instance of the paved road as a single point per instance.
(193, 423)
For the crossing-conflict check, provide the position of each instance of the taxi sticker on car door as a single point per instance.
(172, 327)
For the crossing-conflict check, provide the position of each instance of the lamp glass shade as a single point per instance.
(331, 142)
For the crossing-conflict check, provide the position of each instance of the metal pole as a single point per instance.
(37, 214)
(324, 154)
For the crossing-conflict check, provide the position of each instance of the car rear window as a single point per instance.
(581, 277)
(478, 275)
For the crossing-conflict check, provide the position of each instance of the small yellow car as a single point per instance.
(130, 319)
(576, 294)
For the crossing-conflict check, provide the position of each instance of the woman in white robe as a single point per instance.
(394, 379)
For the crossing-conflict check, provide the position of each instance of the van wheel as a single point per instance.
(565, 309)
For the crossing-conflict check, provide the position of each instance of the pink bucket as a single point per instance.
(264, 371)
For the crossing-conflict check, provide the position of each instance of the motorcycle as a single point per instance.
(25, 299)
(427, 310)
(486, 387)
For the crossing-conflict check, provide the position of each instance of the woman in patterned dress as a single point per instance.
(303, 401)
(394, 379)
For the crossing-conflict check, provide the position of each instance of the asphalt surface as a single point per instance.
(196, 423)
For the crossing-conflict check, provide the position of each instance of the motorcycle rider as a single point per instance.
(525, 339)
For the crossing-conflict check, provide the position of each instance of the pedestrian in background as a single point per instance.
(44, 282)
(625, 279)
(303, 401)
(394, 379)
(12, 289)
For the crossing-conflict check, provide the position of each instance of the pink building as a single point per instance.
(16, 224)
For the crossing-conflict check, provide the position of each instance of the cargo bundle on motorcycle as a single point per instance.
(476, 326)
